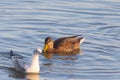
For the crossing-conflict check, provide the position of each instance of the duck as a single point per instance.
(62, 45)
(26, 65)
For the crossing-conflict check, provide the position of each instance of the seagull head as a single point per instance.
(38, 50)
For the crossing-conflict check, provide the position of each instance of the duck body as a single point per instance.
(64, 44)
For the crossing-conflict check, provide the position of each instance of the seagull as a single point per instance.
(26, 65)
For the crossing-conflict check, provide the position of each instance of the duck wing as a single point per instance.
(71, 42)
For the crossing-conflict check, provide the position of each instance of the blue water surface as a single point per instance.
(24, 24)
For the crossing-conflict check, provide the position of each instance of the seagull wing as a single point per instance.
(24, 63)
(17, 61)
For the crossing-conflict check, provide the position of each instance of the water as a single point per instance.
(24, 24)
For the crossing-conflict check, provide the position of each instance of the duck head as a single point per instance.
(48, 44)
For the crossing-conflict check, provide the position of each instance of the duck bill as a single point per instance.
(45, 48)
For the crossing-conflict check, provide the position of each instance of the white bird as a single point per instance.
(27, 65)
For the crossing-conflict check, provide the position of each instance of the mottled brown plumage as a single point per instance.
(64, 44)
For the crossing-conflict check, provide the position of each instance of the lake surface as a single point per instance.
(24, 24)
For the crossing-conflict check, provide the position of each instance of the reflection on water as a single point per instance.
(15, 74)
(32, 76)
(73, 53)
(18, 75)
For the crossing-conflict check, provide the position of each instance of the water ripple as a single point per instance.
(26, 23)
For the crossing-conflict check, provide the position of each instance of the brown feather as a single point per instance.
(65, 44)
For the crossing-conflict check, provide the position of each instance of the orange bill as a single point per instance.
(45, 48)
